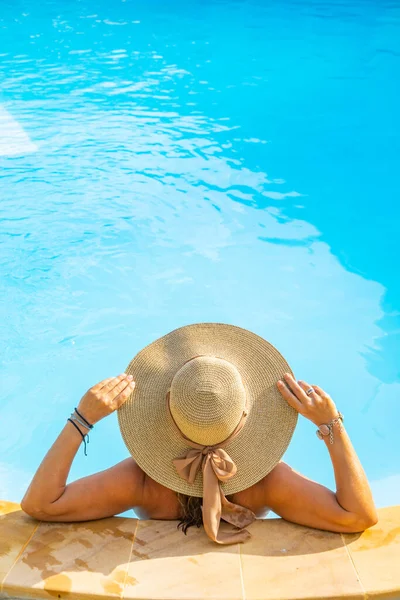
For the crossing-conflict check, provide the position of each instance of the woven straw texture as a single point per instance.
(207, 399)
(247, 364)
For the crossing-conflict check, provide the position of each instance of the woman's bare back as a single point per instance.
(159, 502)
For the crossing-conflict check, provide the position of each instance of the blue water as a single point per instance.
(169, 163)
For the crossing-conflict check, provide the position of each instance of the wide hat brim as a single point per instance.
(146, 425)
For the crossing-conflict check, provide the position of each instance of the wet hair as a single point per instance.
(191, 511)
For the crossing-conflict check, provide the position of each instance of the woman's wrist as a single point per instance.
(332, 431)
(326, 416)
(81, 425)
(85, 415)
(76, 426)
(78, 417)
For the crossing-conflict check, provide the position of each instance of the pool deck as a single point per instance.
(121, 557)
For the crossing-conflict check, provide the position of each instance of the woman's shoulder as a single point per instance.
(255, 497)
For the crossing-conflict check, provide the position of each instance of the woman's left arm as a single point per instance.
(301, 500)
(352, 488)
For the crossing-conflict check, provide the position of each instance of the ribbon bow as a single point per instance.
(216, 466)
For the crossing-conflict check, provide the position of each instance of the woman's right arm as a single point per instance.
(103, 494)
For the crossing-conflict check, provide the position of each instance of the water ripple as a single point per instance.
(174, 163)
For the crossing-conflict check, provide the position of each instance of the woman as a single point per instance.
(192, 388)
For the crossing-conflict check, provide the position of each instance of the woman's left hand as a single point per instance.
(318, 407)
(105, 397)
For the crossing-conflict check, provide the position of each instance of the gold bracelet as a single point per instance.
(327, 428)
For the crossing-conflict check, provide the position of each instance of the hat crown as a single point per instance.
(207, 399)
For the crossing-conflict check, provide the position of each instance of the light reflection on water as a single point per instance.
(209, 162)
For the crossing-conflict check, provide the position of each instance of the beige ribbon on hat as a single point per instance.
(216, 465)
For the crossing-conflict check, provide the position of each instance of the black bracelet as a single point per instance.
(83, 435)
(83, 418)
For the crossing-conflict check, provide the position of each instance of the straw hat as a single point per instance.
(198, 383)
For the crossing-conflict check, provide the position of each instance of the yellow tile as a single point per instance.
(167, 564)
(15, 530)
(7, 507)
(287, 561)
(86, 559)
(376, 554)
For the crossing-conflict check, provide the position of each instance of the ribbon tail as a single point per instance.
(235, 514)
(213, 499)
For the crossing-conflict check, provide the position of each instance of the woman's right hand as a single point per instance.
(318, 407)
(105, 397)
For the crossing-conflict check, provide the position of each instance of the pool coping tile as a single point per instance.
(75, 560)
(16, 530)
(285, 561)
(187, 566)
(119, 557)
(375, 554)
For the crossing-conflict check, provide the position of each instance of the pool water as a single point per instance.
(170, 163)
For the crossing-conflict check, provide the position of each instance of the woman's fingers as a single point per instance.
(317, 406)
(289, 396)
(119, 387)
(111, 383)
(296, 389)
(108, 384)
(98, 386)
(320, 391)
(313, 395)
(124, 394)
